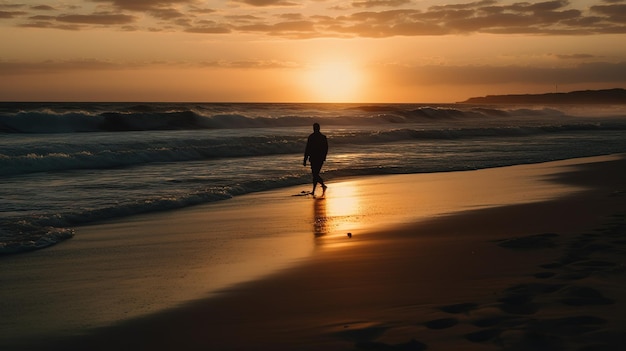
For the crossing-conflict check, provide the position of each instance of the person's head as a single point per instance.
(316, 127)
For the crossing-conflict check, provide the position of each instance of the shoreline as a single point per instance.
(388, 285)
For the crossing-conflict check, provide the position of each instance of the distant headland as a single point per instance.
(606, 96)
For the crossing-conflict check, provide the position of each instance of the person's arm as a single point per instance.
(306, 152)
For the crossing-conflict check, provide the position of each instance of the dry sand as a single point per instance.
(518, 258)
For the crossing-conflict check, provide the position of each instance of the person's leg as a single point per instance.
(315, 170)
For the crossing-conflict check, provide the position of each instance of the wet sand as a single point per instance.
(522, 258)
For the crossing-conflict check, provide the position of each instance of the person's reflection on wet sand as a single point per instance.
(320, 223)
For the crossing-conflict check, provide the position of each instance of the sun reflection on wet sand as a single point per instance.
(338, 213)
(363, 206)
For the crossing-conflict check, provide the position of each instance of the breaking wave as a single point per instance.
(17, 159)
(64, 118)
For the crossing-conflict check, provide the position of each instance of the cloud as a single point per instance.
(293, 29)
(487, 16)
(97, 18)
(144, 5)
(12, 14)
(574, 56)
(584, 73)
(8, 68)
(27, 68)
(167, 14)
(160, 9)
(177, 14)
(291, 16)
(262, 3)
(477, 75)
(200, 10)
(615, 13)
(251, 64)
(50, 25)
(11, 6)
(379, 3)
(43, 8)
(463, 6)
(42, 18)
(359, 19)
(208, 28)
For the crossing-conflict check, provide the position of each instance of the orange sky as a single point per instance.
(306, 50)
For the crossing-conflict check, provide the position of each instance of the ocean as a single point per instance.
(69, 164)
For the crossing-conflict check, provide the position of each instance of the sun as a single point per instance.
(336, 81)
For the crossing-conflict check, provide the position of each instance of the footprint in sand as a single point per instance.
(503, 321)
(534, 288)
(364, 334)
(412, 345)
(554, 265)
(442, 323)
(537, 241)
(518, 299)
(554, 333)
(459, 308)
(573, 276)
(483, 335)
(596, 264)
(583, 296)
(544, 275)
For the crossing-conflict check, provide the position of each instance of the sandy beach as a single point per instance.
(526, 257)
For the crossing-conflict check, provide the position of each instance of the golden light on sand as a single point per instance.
(334, 81)
(342, 214)
(344, 202)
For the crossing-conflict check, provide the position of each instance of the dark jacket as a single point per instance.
(316, 148)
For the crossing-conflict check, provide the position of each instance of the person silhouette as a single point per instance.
(315, 152)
